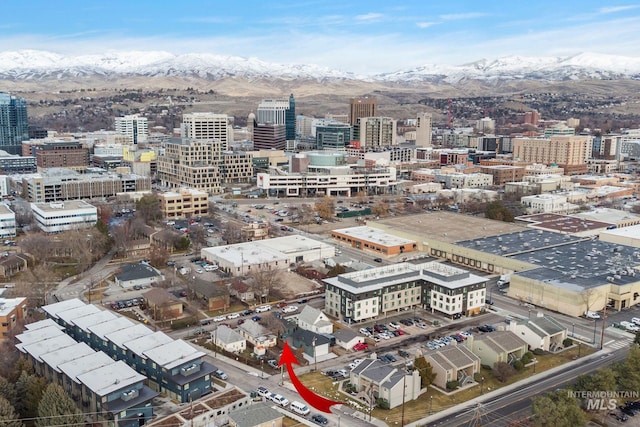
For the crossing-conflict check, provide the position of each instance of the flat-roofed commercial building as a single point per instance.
(367, 294)
(61, 184)
(184, 203)
(12, 311)
(350, 181)
(63, 154)
(373, 239)
(63, 216)
(208, 126)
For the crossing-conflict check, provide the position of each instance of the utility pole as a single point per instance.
(604, 319)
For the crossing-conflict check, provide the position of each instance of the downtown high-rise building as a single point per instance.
(14, 127)
(279, 112)
(209, 126)
(133, 126)
(362, 107)
(423, 130)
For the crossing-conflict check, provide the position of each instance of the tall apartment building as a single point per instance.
(423, 130)
(185, 203)
(70, 155)
(567, 151)
(208, 126)
(14, 127)
(269, 136)
(279, 112)
(377, 131)
(362, 107)
(193, 163)
(134, 126)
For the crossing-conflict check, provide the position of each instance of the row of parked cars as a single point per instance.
(297, 407)
(444, 341)
(119, 305)
(231, 316)
(632, 326)
(378, 332)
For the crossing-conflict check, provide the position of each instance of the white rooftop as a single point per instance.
(39, 348)
(122, 336)
(74, 314)
(109, 378)
(42, 324)
(34, 335)
(66, 354)
(173, 354)
(8, 304)
(85, 364)
(632, 231)
(85, 322)
(102, 329)
(374, 235)
(140, 345)
(53, 309)
(611, 216)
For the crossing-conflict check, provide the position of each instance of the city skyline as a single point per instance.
(361, 37)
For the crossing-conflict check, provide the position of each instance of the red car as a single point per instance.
(361, 346)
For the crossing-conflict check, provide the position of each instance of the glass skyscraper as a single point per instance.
(14, 127)
(290, 119)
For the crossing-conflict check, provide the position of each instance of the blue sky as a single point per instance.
(360, 36)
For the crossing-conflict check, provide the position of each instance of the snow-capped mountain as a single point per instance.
(42, 65)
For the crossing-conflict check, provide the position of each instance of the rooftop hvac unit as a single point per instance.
(128, 395)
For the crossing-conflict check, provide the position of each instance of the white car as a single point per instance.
(636, 320)
(280, 400)
(210, 267)
(233, 316)
(591, 315)
(219, 318)
(630, 326)
(199, 271)
(290, 309)
(263, 308)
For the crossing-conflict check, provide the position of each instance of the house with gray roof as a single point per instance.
(313, 345)
(256, 415)
(542, 331)
(498, 346)
(228, 339)
(374, 380)
(314, 320)
(138, 274)
(453, 363)
(346, 338)
(259, 336)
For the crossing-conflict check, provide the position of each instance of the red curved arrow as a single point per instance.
(318, 402)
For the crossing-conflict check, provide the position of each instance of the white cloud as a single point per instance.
(370, 17)
(615, 9)
(461, 16)
(425, 24)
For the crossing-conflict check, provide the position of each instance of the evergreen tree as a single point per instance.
(8, 417)
(7, 391)
(629, 371)
(56, 408)
(425, 370)
(29, 389)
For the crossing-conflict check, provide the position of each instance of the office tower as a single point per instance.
(290, 119)
(423, 130)
(14, 127)
(62, 154)
(569, 152)
(269, 136)
(279, 112)
(333, 136)
(362, 107)
(208, 126)
(134, 126)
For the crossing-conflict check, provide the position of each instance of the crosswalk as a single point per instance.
(619, 343)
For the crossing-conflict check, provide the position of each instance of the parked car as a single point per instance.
(218, 373)
(262, 391)
(219, 318)
(361, 346)
(403, 353)
(319, 419)
(256, 318)
(290, 309)
(377, 259)
(280, 400)
(233, 316)
(273, 363)
(636, 320)
(263, 308)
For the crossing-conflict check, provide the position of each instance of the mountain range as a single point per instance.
(35, 65)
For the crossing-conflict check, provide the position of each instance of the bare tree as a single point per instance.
(325, 207)
(306, 213)
(380, 209)
(37, 245)
(273, 324)
(232, 233)
(588, 297)
(264, 281)
(35, 282)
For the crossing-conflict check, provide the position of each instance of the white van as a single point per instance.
(299, 408)
(591, 315)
